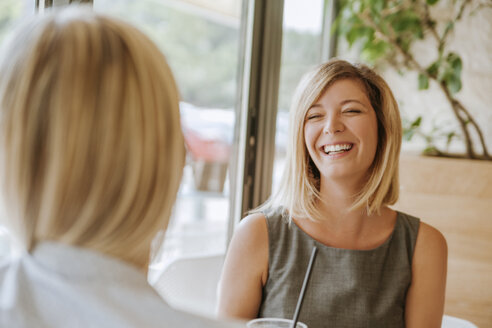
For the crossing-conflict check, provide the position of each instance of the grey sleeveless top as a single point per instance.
(347, 288)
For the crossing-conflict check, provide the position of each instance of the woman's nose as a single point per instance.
(333, 125)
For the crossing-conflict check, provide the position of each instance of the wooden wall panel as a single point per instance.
(455, 196)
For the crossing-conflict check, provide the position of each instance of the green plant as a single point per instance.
(386, 30)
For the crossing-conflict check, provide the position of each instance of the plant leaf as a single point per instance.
(403, 20)
(423, 82)
(449, 27)
(374, 50)
(453, 83)
(450, 137)
(358, 32)
(433, 68)
(455, 62)
(431, 150)
(376, 7)
(416, 123)
(408, 134)
(409, 130)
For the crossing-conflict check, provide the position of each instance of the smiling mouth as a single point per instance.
(336, 149)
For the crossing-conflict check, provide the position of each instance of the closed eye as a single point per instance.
(313, 116)
(353, 111)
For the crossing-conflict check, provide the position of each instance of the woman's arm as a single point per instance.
(245, 270)
(425, 298)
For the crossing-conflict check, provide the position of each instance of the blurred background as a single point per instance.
(237, 63)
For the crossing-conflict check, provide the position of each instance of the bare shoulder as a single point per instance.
(425, 298)
(254, 219)
(249, 244)
(245, 269)
(431, 254)
(253, 227)
(430, 241)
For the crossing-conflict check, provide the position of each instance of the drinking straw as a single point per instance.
(304, 285)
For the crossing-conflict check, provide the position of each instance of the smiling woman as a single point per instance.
(341, 132)
(298, 192)
(375, 267)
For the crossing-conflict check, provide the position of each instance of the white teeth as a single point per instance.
(337, 148)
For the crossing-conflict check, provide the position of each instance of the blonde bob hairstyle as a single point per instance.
(298, 192)
(92, 151)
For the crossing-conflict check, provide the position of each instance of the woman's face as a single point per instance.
(341, 132)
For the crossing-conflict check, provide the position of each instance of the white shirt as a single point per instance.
(63, 286)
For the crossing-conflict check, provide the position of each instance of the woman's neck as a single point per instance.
(341, 194)
(342, 226)
(337, 199)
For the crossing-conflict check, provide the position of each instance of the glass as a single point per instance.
(200, 39)
(301, 50)
(11, 11)
(273, 323)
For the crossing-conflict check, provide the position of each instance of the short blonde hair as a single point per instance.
(91, 141)
(298, 192)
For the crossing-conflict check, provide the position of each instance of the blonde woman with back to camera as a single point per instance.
(91, 160)
(375, 267)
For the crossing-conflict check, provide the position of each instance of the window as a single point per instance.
(301, 50)
(11, 11)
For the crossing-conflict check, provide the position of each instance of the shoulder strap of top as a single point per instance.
(407, 232)
(278, 229)
(276, 222)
